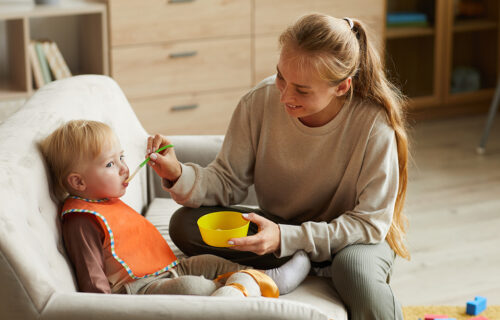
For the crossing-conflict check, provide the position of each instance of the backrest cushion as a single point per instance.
(30, 237)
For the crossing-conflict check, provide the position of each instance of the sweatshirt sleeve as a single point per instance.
(369, 221)
(84, 240)
(226, 180)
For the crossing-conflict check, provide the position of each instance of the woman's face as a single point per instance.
(305, 95)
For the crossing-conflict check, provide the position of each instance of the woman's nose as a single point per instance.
(285, 96)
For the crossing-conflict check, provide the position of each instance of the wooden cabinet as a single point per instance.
(432, 62)
(88, 40)
(167, 53)
(183, 64)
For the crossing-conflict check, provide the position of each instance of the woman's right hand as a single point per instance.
(165, 163)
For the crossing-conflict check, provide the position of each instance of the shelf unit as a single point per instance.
(89, 41)
(422, 59)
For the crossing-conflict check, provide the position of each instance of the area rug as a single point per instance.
(457, 312)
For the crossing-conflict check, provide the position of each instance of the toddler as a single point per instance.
(114, 249)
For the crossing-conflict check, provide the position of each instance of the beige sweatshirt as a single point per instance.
(335, 184)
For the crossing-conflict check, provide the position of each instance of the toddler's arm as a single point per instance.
(83, 239)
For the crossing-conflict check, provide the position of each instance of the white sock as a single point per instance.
(291, 274)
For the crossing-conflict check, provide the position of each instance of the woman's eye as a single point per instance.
(302, 92)
(278, 75)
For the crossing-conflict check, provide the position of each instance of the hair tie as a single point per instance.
(353, 28)
(349, 20)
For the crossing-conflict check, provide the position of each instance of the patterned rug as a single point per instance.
(457, 312)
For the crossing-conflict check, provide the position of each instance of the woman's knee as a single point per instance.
(359, 273)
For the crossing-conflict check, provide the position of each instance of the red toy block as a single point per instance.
(435, 316)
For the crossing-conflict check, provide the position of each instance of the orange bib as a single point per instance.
(135, 243)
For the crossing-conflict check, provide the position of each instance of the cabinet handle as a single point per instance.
(180, 1)
(183, 54)
(184, 107)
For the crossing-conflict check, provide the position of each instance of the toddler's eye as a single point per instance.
(109, 165)
(122, 157)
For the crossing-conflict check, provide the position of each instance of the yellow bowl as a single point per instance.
(217, 228)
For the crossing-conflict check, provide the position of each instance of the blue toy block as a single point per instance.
(476, 307)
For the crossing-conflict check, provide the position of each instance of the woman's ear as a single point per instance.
(343, 87)
(76, 182)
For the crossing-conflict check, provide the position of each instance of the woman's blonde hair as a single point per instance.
(71, 144)
(338, 50)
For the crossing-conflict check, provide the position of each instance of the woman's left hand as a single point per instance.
(266, 240)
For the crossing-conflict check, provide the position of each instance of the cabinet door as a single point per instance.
(183, 67)
(188, 114)
(266, 56)
(274, 16)
(147, 21)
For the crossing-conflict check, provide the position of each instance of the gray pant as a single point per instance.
(192, 276)
(360, 273)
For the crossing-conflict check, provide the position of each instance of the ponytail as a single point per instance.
(370, 82)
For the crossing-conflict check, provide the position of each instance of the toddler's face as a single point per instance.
(105, 175)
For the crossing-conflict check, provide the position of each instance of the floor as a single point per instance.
(453, 205)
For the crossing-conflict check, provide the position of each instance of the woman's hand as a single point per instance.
(266, 240)
(165, 163)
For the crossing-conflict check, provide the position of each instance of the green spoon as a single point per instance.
(146, 161)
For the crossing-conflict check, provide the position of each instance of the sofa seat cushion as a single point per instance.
(316, 291)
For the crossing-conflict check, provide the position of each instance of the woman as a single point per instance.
(324, 143)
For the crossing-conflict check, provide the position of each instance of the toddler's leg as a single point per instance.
(248, 283)
(239, 284)
(186, 285)
(291, 274)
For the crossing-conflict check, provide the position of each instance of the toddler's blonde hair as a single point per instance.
(70, 145)
(336, 50)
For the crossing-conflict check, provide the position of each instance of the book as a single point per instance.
(53, 61)
(395, 19)
(35, 66)
(44, 66)
(60, 60)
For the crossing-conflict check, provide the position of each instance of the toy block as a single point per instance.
(435, 316)
(476, 307)
(479, 318)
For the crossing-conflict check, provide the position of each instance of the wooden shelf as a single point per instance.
(424, 58)
(90, 40)
(10, 11)
(474, 25)
(470, 96)
(408, 32)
